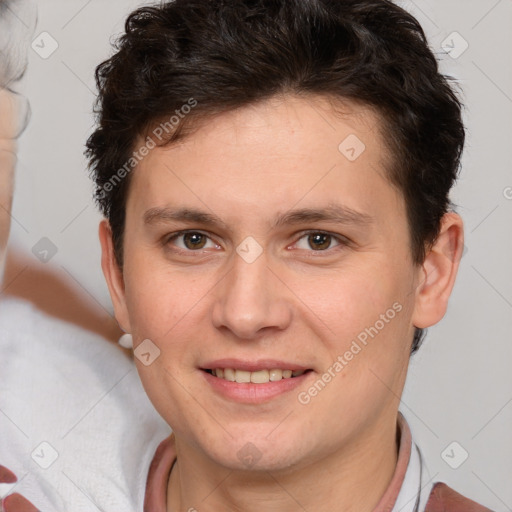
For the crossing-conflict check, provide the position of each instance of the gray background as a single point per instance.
(460, 385)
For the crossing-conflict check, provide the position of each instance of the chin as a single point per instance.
(252, 453)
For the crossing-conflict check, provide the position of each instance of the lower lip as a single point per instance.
(250, 393)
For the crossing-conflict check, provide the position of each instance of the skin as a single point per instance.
(293, 303)
(8, 114)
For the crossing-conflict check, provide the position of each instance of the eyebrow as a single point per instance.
(162, 215)
(332, 213)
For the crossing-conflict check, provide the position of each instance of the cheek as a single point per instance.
(354, 298)
(368, 312)
(161, 300)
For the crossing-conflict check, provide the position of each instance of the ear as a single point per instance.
(438, 272)
(114, 276)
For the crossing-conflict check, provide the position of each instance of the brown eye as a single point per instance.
(190, 242)
(319, 241)
(194, 240)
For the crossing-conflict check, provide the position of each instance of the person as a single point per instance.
(14, 109)
(76, 428)
(278, 235)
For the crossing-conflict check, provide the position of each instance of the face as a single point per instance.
(13, 107)
(8, 114)
(269, 240)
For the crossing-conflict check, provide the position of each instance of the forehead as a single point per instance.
(268, 157)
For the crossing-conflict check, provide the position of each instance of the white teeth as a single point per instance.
(229, 374)
(242, 376)
(276, 375)
(259, 377)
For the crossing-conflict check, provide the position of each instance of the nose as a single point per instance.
(251, 301)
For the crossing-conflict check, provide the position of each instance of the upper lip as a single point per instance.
(253, 366)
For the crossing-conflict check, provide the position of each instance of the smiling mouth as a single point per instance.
(258, 377)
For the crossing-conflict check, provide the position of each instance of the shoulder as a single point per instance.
(73, 401)
(25, 330)
(43, 355)
(445, 499)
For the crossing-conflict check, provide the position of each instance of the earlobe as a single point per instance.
(438, 272)
(113, 276)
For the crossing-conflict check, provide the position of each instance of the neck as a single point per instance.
(352, 478)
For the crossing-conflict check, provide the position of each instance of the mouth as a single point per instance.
(254, 381)
(262, 376)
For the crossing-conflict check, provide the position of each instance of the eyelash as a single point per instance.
(340, 240)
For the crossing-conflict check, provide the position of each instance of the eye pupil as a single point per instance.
(194, 240)
(319, 241)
